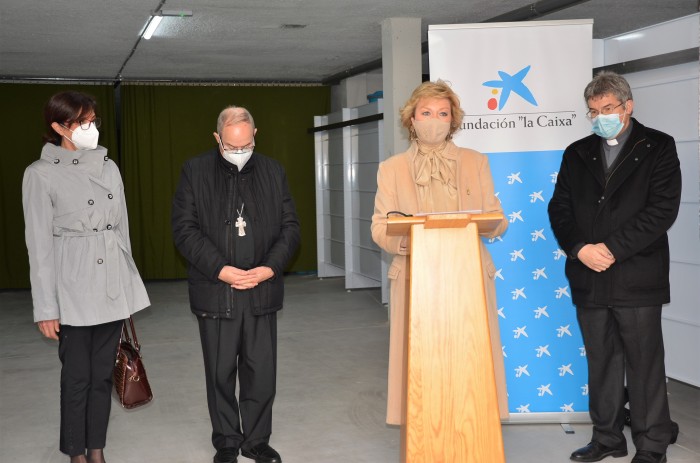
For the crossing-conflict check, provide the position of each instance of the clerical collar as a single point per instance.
(621, 138)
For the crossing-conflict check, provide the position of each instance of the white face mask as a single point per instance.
(238, 157)
(84, 139)
(431, 131)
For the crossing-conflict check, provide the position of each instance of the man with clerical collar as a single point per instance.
(617, 194)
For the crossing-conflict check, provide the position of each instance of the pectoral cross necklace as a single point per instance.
(240, 223)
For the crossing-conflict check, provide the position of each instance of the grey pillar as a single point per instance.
(402, 71)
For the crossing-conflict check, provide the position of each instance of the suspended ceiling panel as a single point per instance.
(250, 40)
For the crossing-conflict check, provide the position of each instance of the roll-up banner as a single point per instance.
(521, 87)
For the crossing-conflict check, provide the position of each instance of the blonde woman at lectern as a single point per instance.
(434, 175)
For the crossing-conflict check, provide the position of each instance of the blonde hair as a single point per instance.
(438, 89)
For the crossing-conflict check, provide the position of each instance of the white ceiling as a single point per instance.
(243, 40)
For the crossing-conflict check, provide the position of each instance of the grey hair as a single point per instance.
(233, 115)
(608, 82)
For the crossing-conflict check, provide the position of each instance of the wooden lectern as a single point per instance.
(451, 409)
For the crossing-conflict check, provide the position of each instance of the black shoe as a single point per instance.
(674, 432)
(226, 455)
(262, 453)
(596, 451)
(645, 456)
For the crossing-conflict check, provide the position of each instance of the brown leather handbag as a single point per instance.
(130, 380)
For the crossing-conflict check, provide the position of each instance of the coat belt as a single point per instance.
(113, 245)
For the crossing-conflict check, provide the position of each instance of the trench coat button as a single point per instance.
(648, 145)
(95, 230)
(99, 261)
(636, 159)
(106, 158)
(91, 202)
(227, 222)
(602, 197)
(56, 161)
(75, 161)
(108, 227)
(595, 159)
(110, 196)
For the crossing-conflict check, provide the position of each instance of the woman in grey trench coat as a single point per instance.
(84, 280)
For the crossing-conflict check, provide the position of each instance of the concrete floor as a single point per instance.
(332, 360)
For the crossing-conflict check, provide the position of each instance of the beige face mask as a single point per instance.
(431, 131)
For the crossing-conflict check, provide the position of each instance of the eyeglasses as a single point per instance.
(249, 146)
(605, 110)
(85, 125)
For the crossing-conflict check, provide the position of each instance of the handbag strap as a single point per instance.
(125, 334)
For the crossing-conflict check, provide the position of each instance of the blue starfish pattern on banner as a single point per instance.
(545, 360)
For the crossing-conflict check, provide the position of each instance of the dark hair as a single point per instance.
(608, 82)
(66, 108)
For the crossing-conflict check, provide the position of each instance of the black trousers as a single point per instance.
(87, 355)
(243, 346)
(626, 342)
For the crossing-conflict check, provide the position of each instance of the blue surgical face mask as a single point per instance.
(607, 126)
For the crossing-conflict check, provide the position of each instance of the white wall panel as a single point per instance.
(690, 164)
(329, 231)
(684, 306)
(681, 325)
(337, 233)
(682, 345)
(673, 113)
(667, 37)
(335, 206)
(667, 99)
(361, 158)
(663, 75)
(366, 205)
(367, 177)
(684, 242)
(347, 160)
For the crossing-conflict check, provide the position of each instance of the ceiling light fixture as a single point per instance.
(152, 26)
(178, 13)
(158, 16)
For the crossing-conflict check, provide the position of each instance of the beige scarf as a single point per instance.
(435, 178)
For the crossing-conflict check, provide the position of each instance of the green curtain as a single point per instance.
(162, 126)
(23, 126)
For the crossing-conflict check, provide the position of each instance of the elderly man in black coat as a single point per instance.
(235, 222)
(617, 194)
